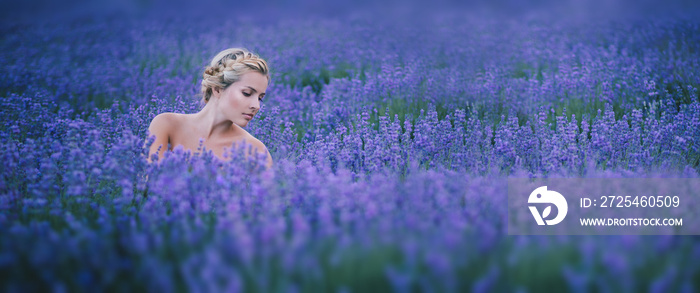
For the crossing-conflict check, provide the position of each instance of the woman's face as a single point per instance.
(241, 100)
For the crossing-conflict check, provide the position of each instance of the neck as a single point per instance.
(211, 121)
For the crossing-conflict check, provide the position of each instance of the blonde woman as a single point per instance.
(233, 87)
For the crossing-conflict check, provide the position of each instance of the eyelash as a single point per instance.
(248, 95)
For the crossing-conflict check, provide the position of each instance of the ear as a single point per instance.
(216, 92)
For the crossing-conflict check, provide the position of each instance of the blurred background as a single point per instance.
(394, 126)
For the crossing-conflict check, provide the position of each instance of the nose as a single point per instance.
(255, 105)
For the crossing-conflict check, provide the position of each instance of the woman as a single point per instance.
(233, 86)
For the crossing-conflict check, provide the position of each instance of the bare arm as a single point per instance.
(269, 158)
(160, 127)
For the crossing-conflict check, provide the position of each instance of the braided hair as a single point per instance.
(227, 67)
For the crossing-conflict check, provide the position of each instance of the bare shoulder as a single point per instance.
(256, 143)
(164, 122)
(259, 147)
(162, 127)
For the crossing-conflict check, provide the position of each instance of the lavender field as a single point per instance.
(392, 142)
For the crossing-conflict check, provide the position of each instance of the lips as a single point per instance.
(248, 116)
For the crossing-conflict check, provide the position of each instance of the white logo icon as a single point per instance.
(542, 195)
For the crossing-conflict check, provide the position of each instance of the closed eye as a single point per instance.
(246, 94)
